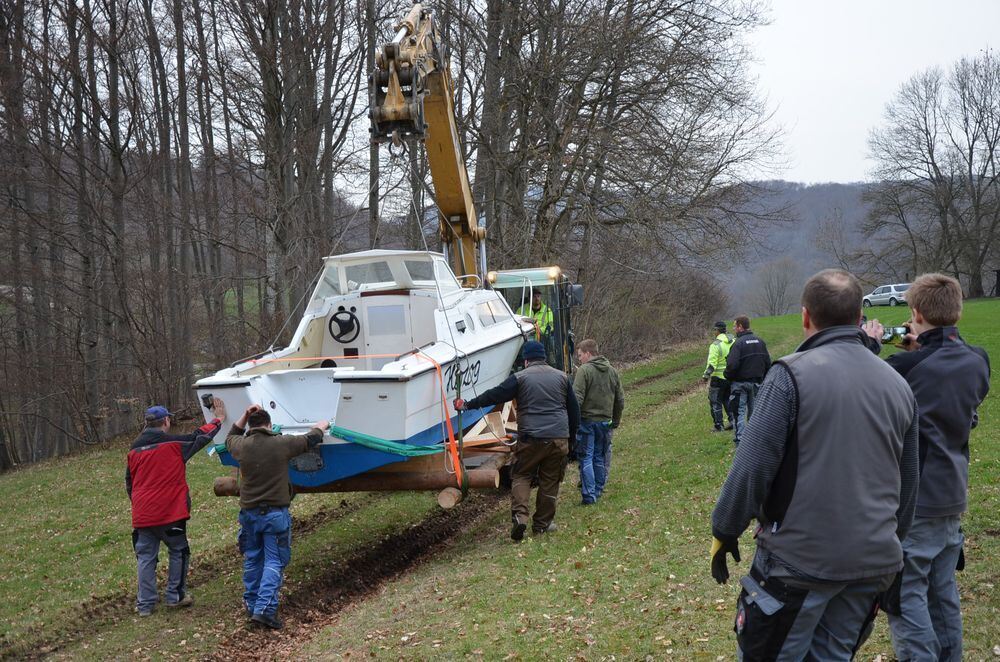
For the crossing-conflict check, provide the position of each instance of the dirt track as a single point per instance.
(310, 607)
(98, 612)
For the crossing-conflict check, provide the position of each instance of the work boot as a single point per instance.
(551, 528)
(186, 601)
(717, 428)
(517, 531)
(143, 613)
(267, 621)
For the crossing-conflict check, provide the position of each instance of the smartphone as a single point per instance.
(894, 334)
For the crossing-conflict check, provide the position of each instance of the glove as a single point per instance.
(720, 571)
(459, 404)
(960, 566)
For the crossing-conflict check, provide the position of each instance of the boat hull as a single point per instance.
(406, 407)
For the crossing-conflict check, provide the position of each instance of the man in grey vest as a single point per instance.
(829, 467)
(548, 416)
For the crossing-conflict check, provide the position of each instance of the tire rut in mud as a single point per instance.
(313, 605)
(102, 611)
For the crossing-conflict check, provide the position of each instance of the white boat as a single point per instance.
(386, 339)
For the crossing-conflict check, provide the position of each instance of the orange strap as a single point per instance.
(451, 444)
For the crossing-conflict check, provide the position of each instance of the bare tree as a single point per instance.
(775, 287)
(936, 196)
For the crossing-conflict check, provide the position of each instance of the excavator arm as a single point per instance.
(412, 97)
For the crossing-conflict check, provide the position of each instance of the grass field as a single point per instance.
(627, 578)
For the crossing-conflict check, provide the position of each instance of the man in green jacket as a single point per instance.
(265, 494)
(602, 400)
(718, 385)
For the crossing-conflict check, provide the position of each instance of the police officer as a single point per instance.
(828, 465)
(265, 537)
(718, 385)
(548, 416)
(746, 365)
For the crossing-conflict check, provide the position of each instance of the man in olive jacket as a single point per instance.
(602, 400)
(265, 494)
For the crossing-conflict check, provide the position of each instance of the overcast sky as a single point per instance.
(829, 68)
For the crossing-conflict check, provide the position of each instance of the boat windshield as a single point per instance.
(429, 272)
(368, 275)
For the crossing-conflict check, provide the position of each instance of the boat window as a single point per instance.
(445, 278)
(369, 273)
(499, 310)
(485, 313)
(386, 320)
(329, 284)
(421, 271)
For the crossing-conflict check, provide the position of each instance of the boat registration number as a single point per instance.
(454, 376)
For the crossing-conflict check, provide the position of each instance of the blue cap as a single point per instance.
(534, 350)
(156, 412)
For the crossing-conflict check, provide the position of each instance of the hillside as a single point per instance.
(391, 576)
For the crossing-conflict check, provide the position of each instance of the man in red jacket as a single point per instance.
(156, 482)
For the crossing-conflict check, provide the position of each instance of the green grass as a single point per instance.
(627, 578)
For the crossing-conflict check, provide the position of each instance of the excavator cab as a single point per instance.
(546, 296)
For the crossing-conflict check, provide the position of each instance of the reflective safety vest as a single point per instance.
(543, 319)
(717, 353)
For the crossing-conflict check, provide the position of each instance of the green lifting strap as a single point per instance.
(375, 443)
(384, 445)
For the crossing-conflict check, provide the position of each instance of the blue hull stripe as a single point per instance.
(346, 460)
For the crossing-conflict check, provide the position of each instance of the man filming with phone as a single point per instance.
(949, 379)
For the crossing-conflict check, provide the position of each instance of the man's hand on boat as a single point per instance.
(459, 404)
(219, 408)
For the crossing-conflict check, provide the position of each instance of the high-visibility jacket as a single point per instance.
(542, 317)
(718, 351)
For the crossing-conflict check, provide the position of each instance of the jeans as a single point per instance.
(146, 543)
(930, 627)
(783, 617)
(265, 540)
(741, 395)
(594, 450)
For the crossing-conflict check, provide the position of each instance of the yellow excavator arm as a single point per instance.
(411, 98)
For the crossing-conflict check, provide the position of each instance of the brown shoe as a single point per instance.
(186, 601)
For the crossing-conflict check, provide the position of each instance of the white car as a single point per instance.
(886, 295)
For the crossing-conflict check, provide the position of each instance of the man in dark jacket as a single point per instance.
(265, 537)
(828, 465)
(746, 365)
(548, 416)
(949, 379)
(599, 392)
(156, 483)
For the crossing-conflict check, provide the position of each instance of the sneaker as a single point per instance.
(517, 531)
(267, 621)
(551, 528)
(186, 601)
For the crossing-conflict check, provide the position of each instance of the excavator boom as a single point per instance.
(411, 97)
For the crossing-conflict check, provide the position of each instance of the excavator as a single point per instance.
(411, 97)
